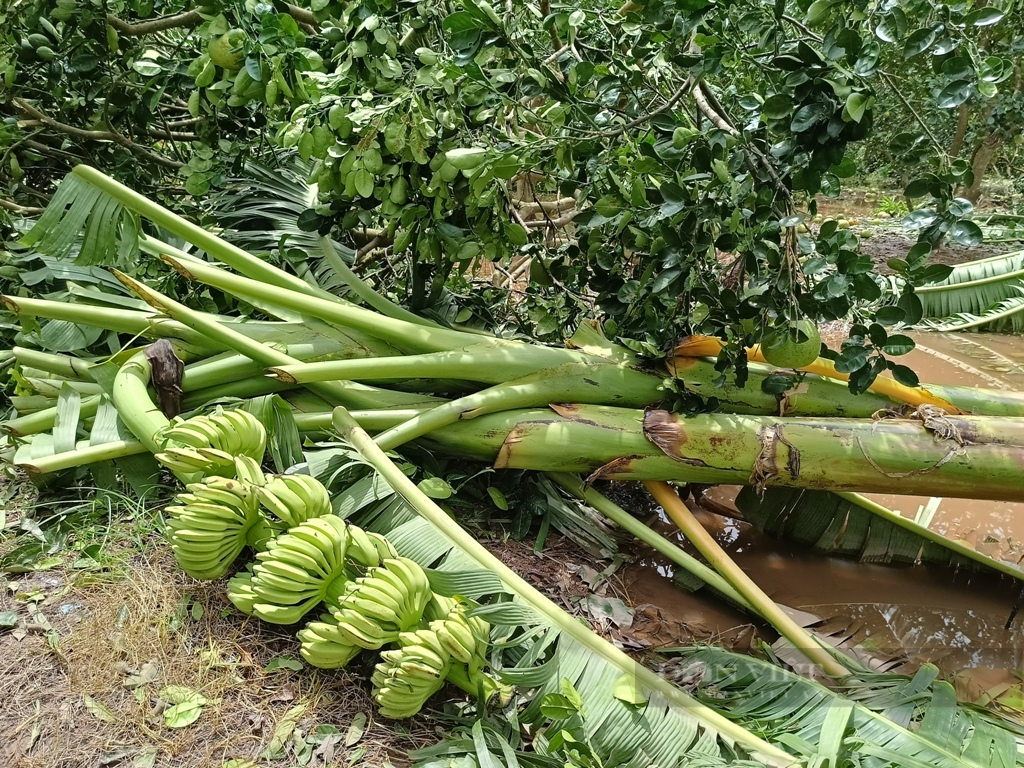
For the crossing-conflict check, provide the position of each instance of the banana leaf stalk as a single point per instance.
(727, 578)
(86, 453)
(83, 455)
(41, 421)
(669, 500)
(197, 236)
(111, 319)
(52, 387)
(408, 337)
(491, 363)
(60, 365)
(350, 393)
(243, 388)
(575, 487)
(578, 382)
(365, 292)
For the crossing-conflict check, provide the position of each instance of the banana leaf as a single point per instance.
(877, 720)
(850, 526)
(974, 287)
(1004, 316)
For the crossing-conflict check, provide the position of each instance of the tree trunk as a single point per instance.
(957, 145)
(983, 156)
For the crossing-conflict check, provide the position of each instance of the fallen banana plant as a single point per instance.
(339, 368)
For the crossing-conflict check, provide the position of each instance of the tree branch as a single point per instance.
(703, 101)
(179, 20)
(672, 101)
(192, 19)
(21, 210)
(907, 104)
(111, 136)
(301, 15)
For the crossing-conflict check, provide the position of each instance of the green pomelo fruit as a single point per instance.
(222, 50)
(793, 347)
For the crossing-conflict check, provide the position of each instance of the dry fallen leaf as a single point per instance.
(149, 673)
(98, 709)
(356, 729)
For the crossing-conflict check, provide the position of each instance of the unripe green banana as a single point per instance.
(284, 614)
(361, 548)
(320, 647)
(240, 591)
(247, 469)
(295, 498)
(355, 628)
(408, 676)
(299, 568)
(229, 432)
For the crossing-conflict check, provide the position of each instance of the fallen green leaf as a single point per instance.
(179, 694)
(283, 662)
(8, 619)
(181, 715)
(283, 732)
(627, 689)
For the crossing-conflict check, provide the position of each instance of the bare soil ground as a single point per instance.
(892, 242)
(84, 676)
(888, 239)
(85, 670)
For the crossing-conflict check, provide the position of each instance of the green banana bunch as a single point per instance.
(464, 636)
(295, 499)
(209, 444)
(212, 523)
(299, 568)
(447, 618)
(409, 675)
(323, 646)
(386, 601)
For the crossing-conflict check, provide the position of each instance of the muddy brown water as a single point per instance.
(926, 614)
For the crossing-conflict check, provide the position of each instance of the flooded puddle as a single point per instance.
(994, 361)
(915, 614)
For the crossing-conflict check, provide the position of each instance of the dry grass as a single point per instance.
(102, 633)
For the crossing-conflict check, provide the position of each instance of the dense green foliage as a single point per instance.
(647, 163)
